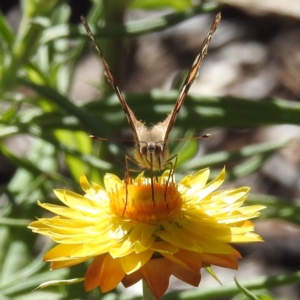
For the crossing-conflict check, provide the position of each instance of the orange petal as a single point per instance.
(156, 273)
(93, 274)
(105, 272)
(221, 260)
(111, 273)
(191, 278)
(132, 278)
(192, 259)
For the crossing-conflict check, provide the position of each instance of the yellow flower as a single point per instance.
(140, 231)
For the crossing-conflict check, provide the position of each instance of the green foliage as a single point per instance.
(36, 73)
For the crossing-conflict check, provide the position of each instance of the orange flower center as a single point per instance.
(141, 202)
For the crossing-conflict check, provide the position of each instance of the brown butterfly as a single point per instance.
(151, 150)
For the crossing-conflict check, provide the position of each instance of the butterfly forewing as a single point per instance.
(192, 74)
(151, 151)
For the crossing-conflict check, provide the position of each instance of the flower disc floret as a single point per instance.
(146, 202)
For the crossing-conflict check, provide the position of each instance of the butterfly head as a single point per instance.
(151, 155)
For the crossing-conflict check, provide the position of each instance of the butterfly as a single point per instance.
(151, 151)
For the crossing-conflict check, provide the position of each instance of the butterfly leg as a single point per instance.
(171, 174)
(126, 180)
(151, 177)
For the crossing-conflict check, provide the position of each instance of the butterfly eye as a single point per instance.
(143, 148)
(159, 148)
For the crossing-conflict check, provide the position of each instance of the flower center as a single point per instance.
(146, 204)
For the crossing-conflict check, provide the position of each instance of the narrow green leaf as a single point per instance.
(224, 157)
(277, 207)
(16, 258)
(211, 272)
(246, 292)
(63, 102)
(230, 289)
(24, 47)
(204, 112)
(59, 282)
(158, 4)
(6, 34)
(130, 29)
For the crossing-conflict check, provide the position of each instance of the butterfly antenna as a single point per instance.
(108, 72)
(204, 136)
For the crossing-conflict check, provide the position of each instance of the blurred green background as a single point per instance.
(53, 95)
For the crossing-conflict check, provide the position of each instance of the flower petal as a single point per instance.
(157, 284)
(132, 278)
(134, 261)
(105, 272)
(221, 260)
(192, 278)
(75, 201)
(67, 263)
(208, 188)
(112, 182)
(60, 253)
(93, 274)
(140, 230)
(199, 179)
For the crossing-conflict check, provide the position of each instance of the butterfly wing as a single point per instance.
(133, 122)
(170, 120)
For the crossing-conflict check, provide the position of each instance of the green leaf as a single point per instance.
(211, 272)
(259, 152)
(25, 46)
(59, 282)
(134, 28)
(246, 292)
(230, 289)
(158, 4)
(203, 112)
(6, 34)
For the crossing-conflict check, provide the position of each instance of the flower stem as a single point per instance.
(147, 294)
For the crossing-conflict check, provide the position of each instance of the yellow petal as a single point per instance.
(208, 188)
(61, 210)
(75, 201)
(122, 249)
(249, 237)
(84, 183)
(67, 263)
(134, 261)
(59, 253)
(112, 182)
(199, 179)
(163, 246)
